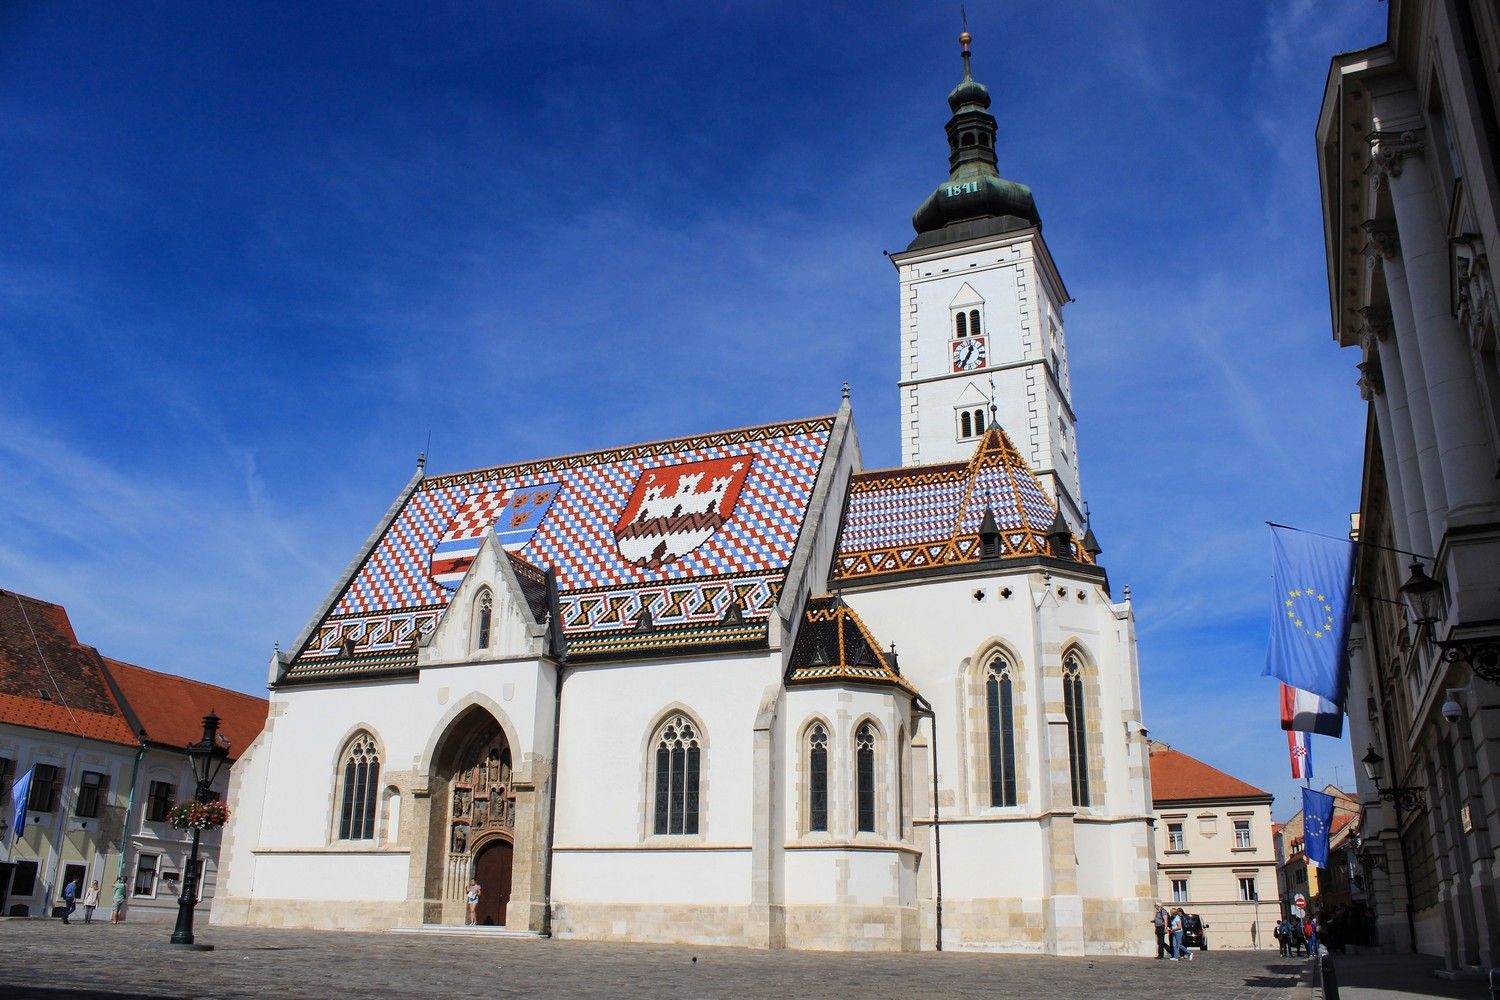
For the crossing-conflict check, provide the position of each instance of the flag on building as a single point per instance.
(1305, 712)
(20, 792)
(1317, 821)
(1300, 746)
(1310, 625)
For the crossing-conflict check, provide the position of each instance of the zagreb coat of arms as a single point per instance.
(676, 508)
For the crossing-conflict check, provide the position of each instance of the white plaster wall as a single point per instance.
(625, 876)
(330, 875)
(1000, 860)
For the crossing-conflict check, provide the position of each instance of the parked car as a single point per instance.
(1194, 932)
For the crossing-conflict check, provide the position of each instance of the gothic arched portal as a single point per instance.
(473, 818)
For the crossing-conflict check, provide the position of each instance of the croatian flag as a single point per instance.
(1300, 746)
(1305, 712)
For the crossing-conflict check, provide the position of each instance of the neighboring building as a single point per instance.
(1407, 143)
(106, 740)
(1215, 855)
(170, 711)
(1322, 888)
(654, 692)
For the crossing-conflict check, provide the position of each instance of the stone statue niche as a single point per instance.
(483, 800)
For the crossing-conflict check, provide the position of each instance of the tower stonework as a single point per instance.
(981, 306)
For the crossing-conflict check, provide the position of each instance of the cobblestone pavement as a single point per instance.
(44, 960)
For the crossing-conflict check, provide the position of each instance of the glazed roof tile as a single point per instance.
(171, 708)
(833, 644)
(679, 529)
(920, 517)
(1176, 777)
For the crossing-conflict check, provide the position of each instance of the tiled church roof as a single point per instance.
(834, 645)
(677, 529)
(916, 518)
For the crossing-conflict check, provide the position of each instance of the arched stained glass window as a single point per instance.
(361, 779)
(486, 612)
(864, 765)
(678, 751)
(817, 778)
(1000, 713)
(1078, 750)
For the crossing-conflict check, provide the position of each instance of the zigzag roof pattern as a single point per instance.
(920, 517)
(677, 530)
(833, 644)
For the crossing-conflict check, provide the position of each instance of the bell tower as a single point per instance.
(981, 314)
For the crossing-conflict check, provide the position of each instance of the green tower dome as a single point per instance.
(975, 200)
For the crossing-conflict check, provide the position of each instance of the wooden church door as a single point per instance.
(492, 869)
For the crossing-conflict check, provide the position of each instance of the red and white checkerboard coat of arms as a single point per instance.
(676, 508)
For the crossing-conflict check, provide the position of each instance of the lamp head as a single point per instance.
(1374, 765)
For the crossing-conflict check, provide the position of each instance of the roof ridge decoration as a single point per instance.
(930, 516)
(833, 644)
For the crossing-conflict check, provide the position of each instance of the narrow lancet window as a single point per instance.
(864, 761)
(1078, 751)
(1000, 711)
(361, 779)
(677, 766)
(486, 609)
(817, 778)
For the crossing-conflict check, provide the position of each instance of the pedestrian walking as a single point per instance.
(117, 906)
(1280, 932)
(90, 901)
(70, 900)
(473, 900)
(1311, 930)
(1159, 921)
(1178, 951)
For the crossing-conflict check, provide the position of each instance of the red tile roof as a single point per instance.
(1176, 777)
(48, 680)
(171, 708)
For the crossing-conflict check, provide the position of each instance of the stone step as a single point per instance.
(469, 931)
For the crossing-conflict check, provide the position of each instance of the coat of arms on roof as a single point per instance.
(515, 515)
(676, 508)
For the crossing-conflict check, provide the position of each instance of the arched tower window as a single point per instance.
(1078, 748)
(864, 765)
(1000, 714)
(965, 424)
(486, 609)
(361, 779)
(961, 324)
(817, 778)
(973, 322)
(678, 751)
(978, 421)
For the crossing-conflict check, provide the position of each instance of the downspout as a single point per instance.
(135, 773)
(924, 709)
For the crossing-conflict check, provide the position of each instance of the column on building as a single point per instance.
(1392, 425)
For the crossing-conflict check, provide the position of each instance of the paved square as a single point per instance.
(44, 960)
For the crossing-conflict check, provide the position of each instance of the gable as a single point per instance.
(678, 530)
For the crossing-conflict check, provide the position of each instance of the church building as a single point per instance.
(735, 688)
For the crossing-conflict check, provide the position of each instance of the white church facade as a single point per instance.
(734, 687)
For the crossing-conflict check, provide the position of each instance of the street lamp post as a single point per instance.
(207, 757)
(1406, 798)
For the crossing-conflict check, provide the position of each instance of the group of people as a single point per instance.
(1170, 927)
(90, 901)
(1297, 936)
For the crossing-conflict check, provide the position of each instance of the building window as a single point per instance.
(1175, 840)
(978, 421)
(1247, 890)
(23, 883)
(44, 781)
(1242, 834)
(817, 778)
(864, 764)
(7, 775)
(145, 875)
(965, 425)
(159, 801)
(960, 324)
(91, 788)
(1000, 714)
(678, 759)
(484, 613)
(361, 781)
(974, 330)
(1179, 890)
(1078, 752)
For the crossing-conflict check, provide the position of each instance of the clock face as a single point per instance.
(968, 354)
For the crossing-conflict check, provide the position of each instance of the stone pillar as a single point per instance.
(528, 876)
(1408, 363)
(765, 925)
(1467, 460)
(1382, 382)
(1062, 907)
(1481, 873)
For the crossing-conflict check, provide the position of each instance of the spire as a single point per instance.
(1059, 538)
(974, 189)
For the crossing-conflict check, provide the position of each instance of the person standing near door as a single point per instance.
(473, 901)
(70, 900)
(117, 904)
(90, 901)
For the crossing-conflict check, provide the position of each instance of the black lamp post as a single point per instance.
(1423, 595)
(207, 756)
(1406, 798)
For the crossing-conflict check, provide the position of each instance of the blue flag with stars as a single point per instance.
(20, 793)
(1317, 821)
(1310, 625)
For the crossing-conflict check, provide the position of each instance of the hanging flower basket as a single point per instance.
(194, 815)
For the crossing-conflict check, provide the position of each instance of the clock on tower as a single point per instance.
(968, 354)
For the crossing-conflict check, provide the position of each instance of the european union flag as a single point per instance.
(1317, 819)
(19, 793)
(1310, 626)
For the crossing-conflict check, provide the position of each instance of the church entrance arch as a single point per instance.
(473, 819)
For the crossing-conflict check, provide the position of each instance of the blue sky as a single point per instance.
(252, 256)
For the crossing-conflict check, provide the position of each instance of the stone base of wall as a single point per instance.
(1018, 925)
(316, 914)
(657, 923)
(852, 928)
